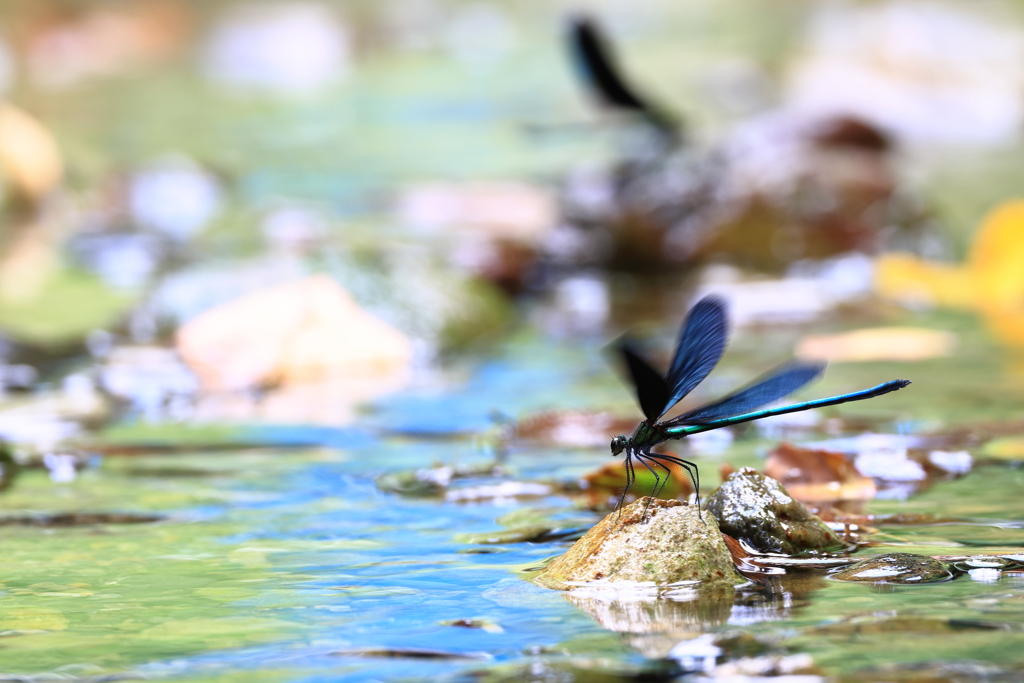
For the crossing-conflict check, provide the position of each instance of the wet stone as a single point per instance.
(985, 562)
(534, 533)
(430, 482)
(413, 483)
(758, 510)
(410, 653)
(673, 544)
(937, 671)
(67, 519)
(482, 624)
(896, 568)
(905, 624)
(790, 666)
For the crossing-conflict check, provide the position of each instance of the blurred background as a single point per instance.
(421, 178)
(232, 225)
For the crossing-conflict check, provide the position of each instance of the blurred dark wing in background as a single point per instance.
(595, 61)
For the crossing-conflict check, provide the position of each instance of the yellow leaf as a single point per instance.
(1008, 448)
(908, 279)
(996, 260)
(991, 282)
(1007, 326)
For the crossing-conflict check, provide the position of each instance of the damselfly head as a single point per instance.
(619, 444)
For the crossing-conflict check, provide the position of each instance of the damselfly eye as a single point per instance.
(618, 444)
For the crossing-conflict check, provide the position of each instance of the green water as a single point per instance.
(288, 564)
(291, 565)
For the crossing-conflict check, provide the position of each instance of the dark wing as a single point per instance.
(651, 389)
(701, 344)
(599, 68)
(772, 387)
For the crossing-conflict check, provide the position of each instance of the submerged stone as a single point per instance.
(897, 568)
(410, 653)
(986, 562)
(79, 518)
(427, 482)
(672, 544)
(421, 483)
(533, 533)
(482, 624)
(758, 510)
(873, 624)
(798, 666)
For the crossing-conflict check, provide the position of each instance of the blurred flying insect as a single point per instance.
(702, 341)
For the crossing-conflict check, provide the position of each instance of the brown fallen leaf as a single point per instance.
(817, 475)
(973, 435)
(742, 558)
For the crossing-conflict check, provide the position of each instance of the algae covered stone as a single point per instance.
(673, 544)
(759, 511)
(896, 568)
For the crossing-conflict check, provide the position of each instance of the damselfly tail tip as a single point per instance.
(903, 382)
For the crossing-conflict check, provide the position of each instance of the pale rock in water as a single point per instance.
(675, 544)
(305, 331)
(30, 160)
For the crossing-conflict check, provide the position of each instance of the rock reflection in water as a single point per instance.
(777, 599)
(655, 619)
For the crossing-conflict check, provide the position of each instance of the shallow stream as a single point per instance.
(285, 563)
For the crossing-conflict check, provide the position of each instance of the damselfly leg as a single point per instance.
(651, 461)
(657, 481)
(630, 478)
(689, 467)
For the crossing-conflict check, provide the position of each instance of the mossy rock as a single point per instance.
(672, 543)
